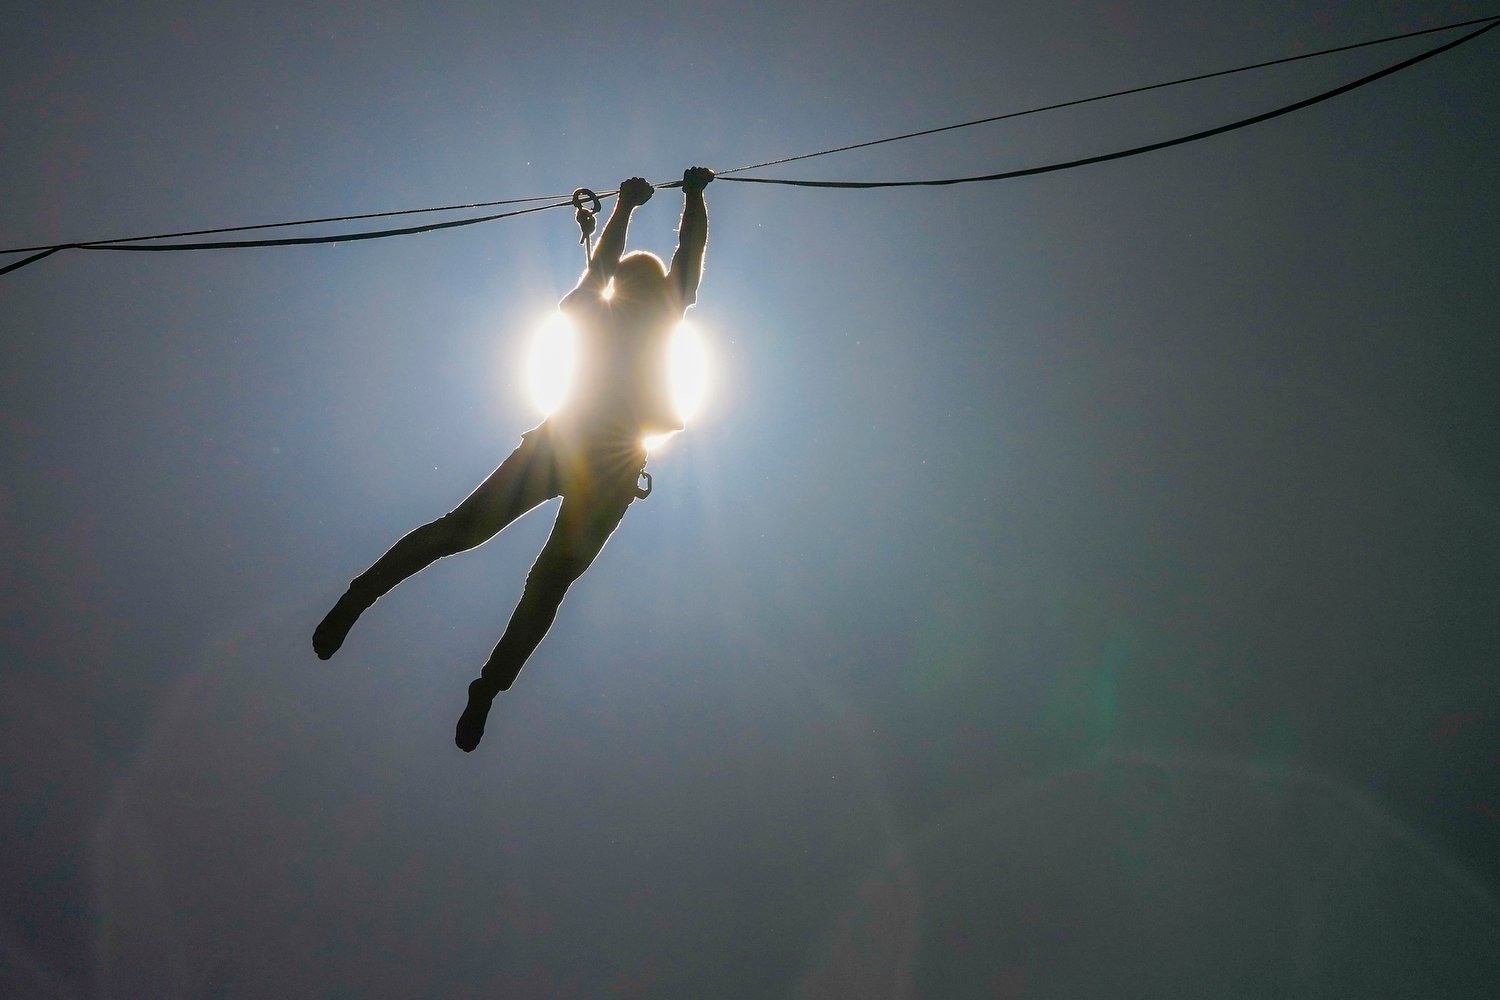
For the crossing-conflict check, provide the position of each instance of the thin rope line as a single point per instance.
(768, 163)
(1137, 150)
(31, 260)
(1105, 97)
(120, 244)
(309, 240)
(279, 225)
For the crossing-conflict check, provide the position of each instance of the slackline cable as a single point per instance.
(1105, 97)
(297, 222)
(1136, 150)
(121, 243)
(284, 241)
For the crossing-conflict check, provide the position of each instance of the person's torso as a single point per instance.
(623, 373)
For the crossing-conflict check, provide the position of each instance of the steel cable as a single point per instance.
(138, 243)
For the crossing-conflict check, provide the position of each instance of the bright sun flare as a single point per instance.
(549, 370)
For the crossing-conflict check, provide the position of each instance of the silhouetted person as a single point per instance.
(590, 453)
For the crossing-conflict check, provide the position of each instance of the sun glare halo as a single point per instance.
(550, 367)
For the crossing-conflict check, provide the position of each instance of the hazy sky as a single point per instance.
(1084, 585)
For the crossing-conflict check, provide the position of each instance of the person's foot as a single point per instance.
(470, 729)
(335, 626)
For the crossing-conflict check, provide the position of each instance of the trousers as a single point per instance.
(594, 471)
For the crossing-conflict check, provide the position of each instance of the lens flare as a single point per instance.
(553, 359)
(688, 362)
(549, 369)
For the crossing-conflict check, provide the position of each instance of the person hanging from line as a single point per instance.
(590, 452)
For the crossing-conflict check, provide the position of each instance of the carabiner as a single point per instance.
(585, 219)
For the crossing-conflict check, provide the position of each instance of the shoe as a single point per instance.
(470, 729)
(334, 628)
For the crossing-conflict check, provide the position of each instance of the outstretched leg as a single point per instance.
(522, 481)
(584, 524)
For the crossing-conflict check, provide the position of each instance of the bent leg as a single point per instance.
(522, 481)
(583, 526)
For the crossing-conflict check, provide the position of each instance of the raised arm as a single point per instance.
(692, 234)
(634, 192)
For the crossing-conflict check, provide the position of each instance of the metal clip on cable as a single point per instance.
(642, 492)
(585, 219)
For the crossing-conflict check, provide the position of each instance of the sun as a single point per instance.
(688, 361)
(553, 360)
(549, 368)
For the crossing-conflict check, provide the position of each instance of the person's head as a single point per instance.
(640, 280)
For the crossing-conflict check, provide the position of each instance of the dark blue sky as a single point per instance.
(1085, 585)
